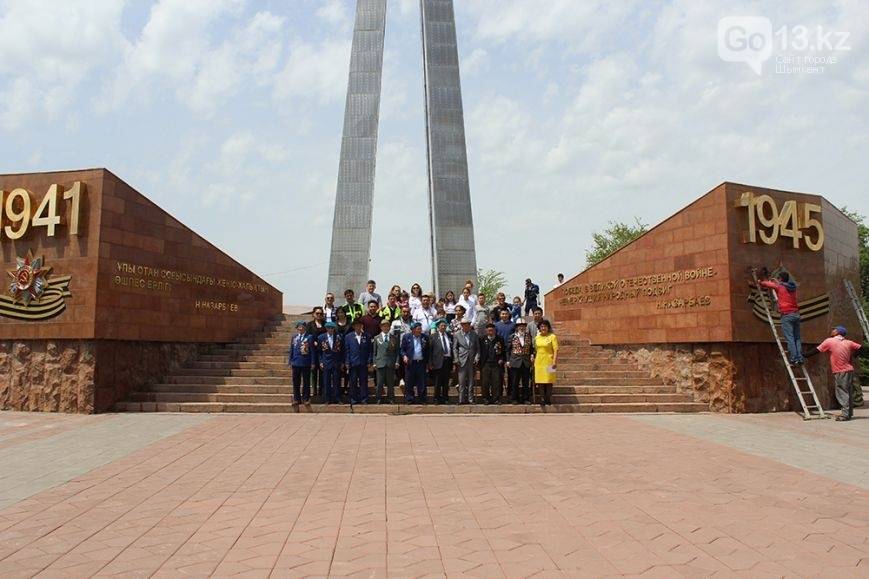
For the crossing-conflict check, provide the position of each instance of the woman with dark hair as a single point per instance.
(415, 300)
(456, 323)
(403, 299)
(342, 326)
(546, 360)
(450, 305)
(396, 291)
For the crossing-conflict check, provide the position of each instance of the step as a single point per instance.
(285, 389)
(283, 371)
(621, 389)
(269, 380)
(578, 378)
(408, 408)
(283, 398)
(606, 398)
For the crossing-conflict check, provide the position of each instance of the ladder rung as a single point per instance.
(799, 378)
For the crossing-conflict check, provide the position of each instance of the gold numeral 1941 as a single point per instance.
(17, 215)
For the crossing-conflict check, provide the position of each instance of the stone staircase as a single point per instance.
(251, 375)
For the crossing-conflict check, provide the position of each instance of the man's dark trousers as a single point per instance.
(517, 375)
(331, 385)
(490, 382)
(414, 382)
(441, 378)
(358, 384)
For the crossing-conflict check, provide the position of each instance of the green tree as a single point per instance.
(863, 240)
(490, 282)
(863, 237)
(614, 237)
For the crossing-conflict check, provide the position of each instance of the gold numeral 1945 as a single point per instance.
(768, 222)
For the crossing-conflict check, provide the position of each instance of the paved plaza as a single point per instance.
(368, 495)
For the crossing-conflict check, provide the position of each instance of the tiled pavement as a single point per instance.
(411, 496)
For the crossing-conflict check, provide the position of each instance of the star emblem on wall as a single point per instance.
(29, 279)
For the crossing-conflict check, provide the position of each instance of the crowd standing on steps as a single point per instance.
(414, 342)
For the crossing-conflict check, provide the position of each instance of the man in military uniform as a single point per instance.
(331, 351)
(491, 365)
(520, 352)
(385, 362)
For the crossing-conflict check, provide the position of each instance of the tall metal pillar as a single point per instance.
(452, 225)
(351, 226)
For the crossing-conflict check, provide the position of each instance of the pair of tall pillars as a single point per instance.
(451, 239)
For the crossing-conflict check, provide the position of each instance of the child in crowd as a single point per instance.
(516, 310)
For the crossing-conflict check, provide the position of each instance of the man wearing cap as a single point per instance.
(466, 348)
(520, 355)
(358, 358)
(440, 361)
(302, 356)
(331, 354)
(414, 352)
(385, 362)
(491, 366)
(841, 351)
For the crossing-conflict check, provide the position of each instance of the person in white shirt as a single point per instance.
(330, 310)
(425, 314)
(415, 299)
(468, 302)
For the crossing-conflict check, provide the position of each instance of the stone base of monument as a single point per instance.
(252, 376)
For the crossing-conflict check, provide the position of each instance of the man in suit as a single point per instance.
(414, 352)
(331, 354)
(520, 354)
(358, 358)
(385, 362)
(440, 361)
(491, 366)
(302, 356)
(466, 346)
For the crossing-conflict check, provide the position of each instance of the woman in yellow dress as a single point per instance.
(546, 359)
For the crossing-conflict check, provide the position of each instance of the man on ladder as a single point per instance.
(786, 296)
(793, 358)
(841, 350)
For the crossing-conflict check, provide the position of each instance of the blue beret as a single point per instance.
(302, 324)
(415, 325)
(331, 325)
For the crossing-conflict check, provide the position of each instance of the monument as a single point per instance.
(677, 300)
(451, 223)
(106, 292)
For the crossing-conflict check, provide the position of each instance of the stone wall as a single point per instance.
(83, 376)
(47, 375)
(730, 377)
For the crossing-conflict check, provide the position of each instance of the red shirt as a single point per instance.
(787, 300)
(840, 351)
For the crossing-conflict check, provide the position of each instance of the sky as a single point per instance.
(228, 114)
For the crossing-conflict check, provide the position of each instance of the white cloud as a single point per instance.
(178, 50)
(474, 62)
(47, 49)
(315, 71)
(334, 12)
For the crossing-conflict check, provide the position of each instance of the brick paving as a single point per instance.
(296, 495)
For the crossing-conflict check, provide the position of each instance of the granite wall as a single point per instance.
(83, 376)
(730, 377)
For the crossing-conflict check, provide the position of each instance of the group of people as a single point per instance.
(414, 340)
(840, 349)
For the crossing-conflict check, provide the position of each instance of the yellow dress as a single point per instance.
(547, 347)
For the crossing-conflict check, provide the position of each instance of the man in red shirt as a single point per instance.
(786, 293)
(841, 350)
